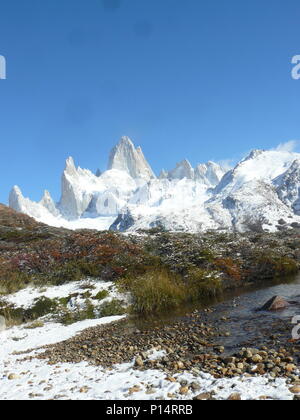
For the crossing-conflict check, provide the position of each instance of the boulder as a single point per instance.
(275, 304)
(2, 323)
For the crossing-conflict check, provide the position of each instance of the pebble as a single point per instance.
(235, 397)
(203, 396)
(295, 389)
(13, 376)
(184, 390)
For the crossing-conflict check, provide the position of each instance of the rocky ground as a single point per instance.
(187, 358)
(187, 344)
(190, 358)
(197, 369)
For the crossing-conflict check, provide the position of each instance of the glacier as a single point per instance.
(261, 193)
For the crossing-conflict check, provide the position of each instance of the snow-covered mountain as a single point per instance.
(261, 192)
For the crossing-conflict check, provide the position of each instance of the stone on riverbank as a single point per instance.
(275, 304)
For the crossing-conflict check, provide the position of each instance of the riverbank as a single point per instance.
(204, 340)
(194, 357)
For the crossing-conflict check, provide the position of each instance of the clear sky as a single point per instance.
(197, 79)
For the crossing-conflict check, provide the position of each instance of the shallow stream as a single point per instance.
(235, 312)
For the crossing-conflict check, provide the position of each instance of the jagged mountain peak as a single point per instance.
(126, 141)
(209, 173)
(163, 174)
(288, 186)
(70, 164)
(125, 157)
(259, 164)
(70, 168)
(46, 196)
(16, 190)
(49, 204)
(265, 186)
(183, 170)
(15, 197)
(254, 154)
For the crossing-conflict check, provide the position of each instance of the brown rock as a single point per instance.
(203, 396)
(134, 389)
(13, 376)
(235, 397)
(290, 368)
(275, 304)
(139, 362)
(257, 358)
(184, 390)
(295, 389)
(180, 365)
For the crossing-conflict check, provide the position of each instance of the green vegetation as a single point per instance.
(68, 317)
(159, 289)
(42, 306)
(160, 270)
(34, 325)
(112, 308)
(272, 266)
(202, 284)
(64, 300)
(101, 295)
(154, 291)
(12, 281)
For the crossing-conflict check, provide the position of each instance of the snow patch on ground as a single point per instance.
(37, 380)
(19, 339)
(25, 298)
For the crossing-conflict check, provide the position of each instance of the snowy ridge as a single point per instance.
(262, 191)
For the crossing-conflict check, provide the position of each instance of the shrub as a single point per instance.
(33, 325)
(228, 266)
(14, 316)
(42, 306)
(12, 281)
(155, 291)
(64, 300)
(70, 317)
(101, 295)
(268, 266)
(63, 274)
(114, 307)
(203, 284)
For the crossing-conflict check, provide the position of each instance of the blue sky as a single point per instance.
(197, 79)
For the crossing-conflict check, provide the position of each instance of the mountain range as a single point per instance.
(261, 193)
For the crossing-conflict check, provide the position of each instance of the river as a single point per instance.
(236, 312)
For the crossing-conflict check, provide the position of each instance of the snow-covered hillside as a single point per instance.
(262, 191)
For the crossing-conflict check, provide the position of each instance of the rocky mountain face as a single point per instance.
(125, 157)
(261, 193)
(17, 220)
